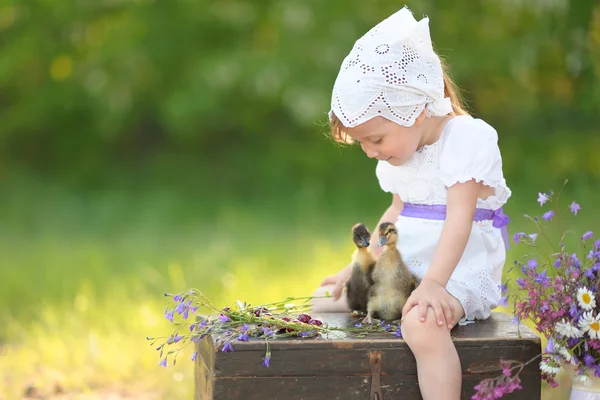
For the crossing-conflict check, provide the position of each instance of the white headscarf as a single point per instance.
(393, 72)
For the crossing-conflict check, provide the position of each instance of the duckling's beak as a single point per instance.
(382, 240)
(364, 241)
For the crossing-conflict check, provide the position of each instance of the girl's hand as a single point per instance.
(339, 280)
(430, 293)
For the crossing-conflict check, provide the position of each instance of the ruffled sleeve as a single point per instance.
(385, 175)
(470, 152)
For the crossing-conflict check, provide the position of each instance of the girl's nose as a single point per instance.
(369, 151)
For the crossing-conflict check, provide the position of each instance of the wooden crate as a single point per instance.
(375, 367)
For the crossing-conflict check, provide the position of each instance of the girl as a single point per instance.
(444, 170)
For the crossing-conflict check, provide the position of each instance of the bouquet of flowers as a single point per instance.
(195, 317)
(556, 289)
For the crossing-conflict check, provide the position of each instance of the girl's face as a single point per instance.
(385, 140)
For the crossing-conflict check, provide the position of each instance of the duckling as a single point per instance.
(393, 281)
(360, 281)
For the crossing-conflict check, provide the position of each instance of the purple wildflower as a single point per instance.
(588, 360)
(587, 235)
(550, 346)
(243, 337)
(192, 327)
(532, 264)
(267, 331)
(193, 309)
(359, 325)
(533, 236)
(544, 308)
(542, 198)
(180, 308)
(177, 338)
(515, 320)
(227, 347)
(224, 318)
(387, 328)
(576, 260)
(170, 315)
(398, 332)
(519, 235)
(186, 313)
(521, 282)
(304, 334)
(548, 216)
(557, 263)
(203, 323)
(590, 273)
(597, 244)
(244, 327)
(503, 302)
(163, 363)
(573, 310)
(503, 288)
(194, 356)
(575, 207)
(267, 360)
(178, 298)
(541, 278)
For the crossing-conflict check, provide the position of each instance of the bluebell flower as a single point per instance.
(575, 208)
(548, 216)
(542, 278)
(243, 337)
(163, 363)
(227, 347)
(532, 264)
(267, 360)
(170, 315)
(542, 198)
(194, 356)
(587, 235)
(180, 308)
(503, 302)
(224, 318)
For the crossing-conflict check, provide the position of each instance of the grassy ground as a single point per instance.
(83, 274)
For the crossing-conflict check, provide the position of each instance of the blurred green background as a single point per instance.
(148, 147)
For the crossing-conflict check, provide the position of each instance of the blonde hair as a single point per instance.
(338, 130)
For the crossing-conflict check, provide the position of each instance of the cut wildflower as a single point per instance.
(587, 235)
(590, 325)
(586, 299)
(575, 208)
(542, 198)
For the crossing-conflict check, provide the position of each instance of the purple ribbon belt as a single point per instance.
(438, 212)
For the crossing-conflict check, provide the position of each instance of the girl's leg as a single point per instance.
(438, 366)
(325, 305)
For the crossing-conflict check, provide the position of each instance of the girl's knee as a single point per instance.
(422, 336)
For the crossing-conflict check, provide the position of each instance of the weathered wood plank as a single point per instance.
(341, 388)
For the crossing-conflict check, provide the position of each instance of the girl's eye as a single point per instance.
(378, 141)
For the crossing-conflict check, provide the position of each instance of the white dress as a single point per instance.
(467, 149)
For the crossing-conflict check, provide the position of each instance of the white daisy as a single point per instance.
(565, 328)
(586, 299)
(583, 379)
(590, 324)
(549, 369)
(564, 353)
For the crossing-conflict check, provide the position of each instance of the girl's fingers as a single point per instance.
(438, 312)
(330, 280)
(449, 314)
(423, 305)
